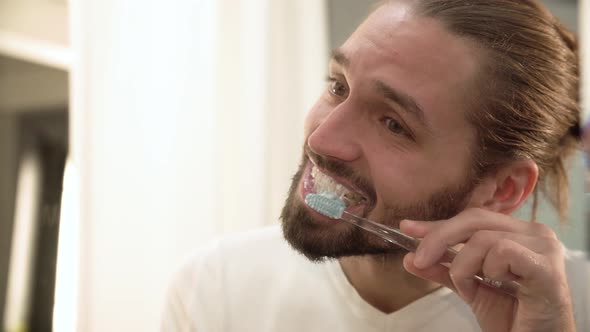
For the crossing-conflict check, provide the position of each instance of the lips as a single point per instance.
(319, 181)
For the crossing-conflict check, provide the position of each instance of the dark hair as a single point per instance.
(527, 101)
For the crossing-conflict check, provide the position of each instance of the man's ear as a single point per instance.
(506, 189)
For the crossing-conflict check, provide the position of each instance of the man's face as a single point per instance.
(390, 129)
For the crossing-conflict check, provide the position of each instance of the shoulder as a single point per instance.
(252, 248)
(199, 286)
(220, 279)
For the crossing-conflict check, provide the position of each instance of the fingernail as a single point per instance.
(420, 259)
(406, 222)
(408, 260)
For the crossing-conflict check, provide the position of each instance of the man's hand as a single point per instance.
(502, 248)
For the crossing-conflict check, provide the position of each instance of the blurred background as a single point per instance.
(132, 132)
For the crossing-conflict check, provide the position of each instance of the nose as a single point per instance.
(337, 133)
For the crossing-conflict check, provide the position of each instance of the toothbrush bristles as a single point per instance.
(327, 204)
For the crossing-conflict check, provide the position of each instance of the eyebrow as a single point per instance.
(404, 100)
(340, 58)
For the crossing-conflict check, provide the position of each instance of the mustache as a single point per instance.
(344, 171)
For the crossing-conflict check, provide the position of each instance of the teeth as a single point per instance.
(324, 183)
(314, 172)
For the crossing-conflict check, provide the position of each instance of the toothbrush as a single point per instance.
(332, 206)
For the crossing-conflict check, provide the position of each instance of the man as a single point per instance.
(442, 118)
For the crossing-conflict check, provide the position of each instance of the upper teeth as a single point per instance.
(326, 184)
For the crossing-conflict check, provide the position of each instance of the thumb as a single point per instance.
(416, 228)
(435, 273)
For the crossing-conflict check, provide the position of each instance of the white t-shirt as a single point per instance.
(256, 282)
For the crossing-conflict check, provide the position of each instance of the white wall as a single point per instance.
(142, 146)
(176, 138)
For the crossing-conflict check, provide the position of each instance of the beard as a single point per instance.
(318, 241)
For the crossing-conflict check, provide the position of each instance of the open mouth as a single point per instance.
(317, 181)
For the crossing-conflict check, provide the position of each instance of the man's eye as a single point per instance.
(337, 89)
(394, 126)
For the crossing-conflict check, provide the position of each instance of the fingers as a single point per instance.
(437, 236)
(416, 229)
(508, 259)
(489, 238)
(503, 249)
(501, 256)
(501, 306)
(485, 256)
(436, 273)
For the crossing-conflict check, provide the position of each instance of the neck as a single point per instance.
(383, 282)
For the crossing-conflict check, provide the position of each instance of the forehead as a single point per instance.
(417, 55)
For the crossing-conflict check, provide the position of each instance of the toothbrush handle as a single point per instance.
(409, 243)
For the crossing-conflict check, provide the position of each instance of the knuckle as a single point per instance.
(502, 248)
(475, 211)
(553, 245)
(543, 230)
(470, 213)
(481, 237)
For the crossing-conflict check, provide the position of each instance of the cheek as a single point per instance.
(412, 179)
(453, 158)
(406, 179)
(398, 186)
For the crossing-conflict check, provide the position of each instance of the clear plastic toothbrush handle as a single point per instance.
(409, 243)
